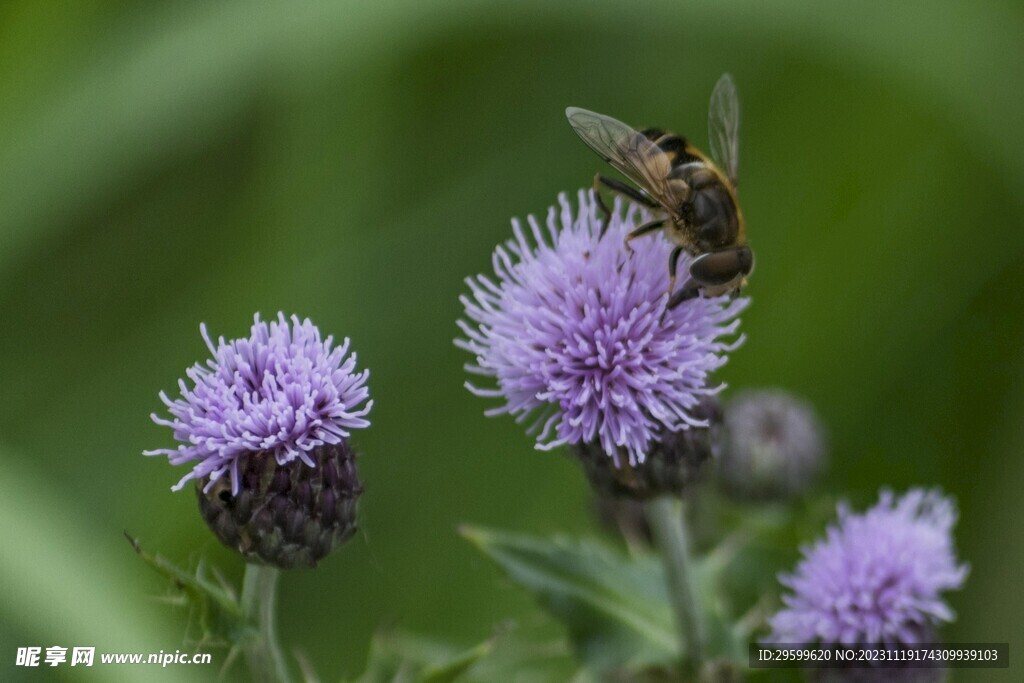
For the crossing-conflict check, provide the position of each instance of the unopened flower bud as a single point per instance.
(773, 446)
(290, 515)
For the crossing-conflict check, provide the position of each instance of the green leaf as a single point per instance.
(756, 543)
(616, 609)
(451, 670)
(61, 583)
(397, 658)
(216, 611)
(532, 649)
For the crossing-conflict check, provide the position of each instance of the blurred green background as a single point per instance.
(163, 164)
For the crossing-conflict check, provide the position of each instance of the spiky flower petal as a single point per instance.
(571, 328)
(283, 392)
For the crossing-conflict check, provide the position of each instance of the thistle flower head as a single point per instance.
(571, 328)
(876, 577)
(281, 392)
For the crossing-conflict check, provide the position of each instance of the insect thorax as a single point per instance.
(711, 212)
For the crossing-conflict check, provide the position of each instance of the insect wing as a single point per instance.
(724, 127)
(630, 152)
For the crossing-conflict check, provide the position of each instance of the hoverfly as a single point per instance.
(675, 178)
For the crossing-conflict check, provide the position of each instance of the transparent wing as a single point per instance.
(629, 151)
(724, 127)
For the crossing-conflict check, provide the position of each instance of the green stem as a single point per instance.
(665, 516)
(259, 602)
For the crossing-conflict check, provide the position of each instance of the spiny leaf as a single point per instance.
(397, 658)
(451, 670)
(214, 603)
(616, 609)
(531, 649)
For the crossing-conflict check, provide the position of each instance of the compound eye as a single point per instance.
(722, 267)
(746, 257)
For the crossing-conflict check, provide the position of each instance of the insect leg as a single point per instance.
(685, 293)
(637, 196)
(606, 214)
(622, 188)
(647, 227)
(673, 263)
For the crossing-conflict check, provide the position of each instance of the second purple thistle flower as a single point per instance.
(876, 577)
(573, 329)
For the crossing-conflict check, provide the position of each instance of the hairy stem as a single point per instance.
(665, 516)
(259, 602)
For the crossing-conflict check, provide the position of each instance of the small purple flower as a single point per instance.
(573, 332)
(282, 391)
(876, 577)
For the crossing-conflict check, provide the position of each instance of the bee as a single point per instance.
(693, 196)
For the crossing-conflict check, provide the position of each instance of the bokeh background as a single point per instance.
(163, 164)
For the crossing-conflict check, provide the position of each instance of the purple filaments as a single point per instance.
(282, 391)
(876, 577)
(571, 328)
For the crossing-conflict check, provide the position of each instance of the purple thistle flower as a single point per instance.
(876, 577)
(573, 333)
(282, 391)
